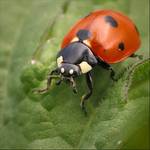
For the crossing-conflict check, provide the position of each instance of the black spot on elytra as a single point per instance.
(83, 34)
(121, 46)
(111, 21)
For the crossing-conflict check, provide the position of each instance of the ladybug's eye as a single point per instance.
(121, 46)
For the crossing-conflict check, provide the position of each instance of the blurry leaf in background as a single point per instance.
(34, 30)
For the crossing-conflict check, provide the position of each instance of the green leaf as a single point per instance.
(118, 112)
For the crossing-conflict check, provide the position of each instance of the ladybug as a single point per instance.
(102, 38)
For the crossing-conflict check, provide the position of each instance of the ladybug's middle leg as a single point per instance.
(90, 87)
(108, 67)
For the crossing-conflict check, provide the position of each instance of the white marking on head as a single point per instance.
(62, 70)
(59, 61)
(85, 67)
(71, 71)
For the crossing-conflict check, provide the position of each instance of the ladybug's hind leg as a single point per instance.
(86, 96)
(136, 56)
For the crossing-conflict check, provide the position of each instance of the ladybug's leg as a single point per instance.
(136, 56)
(112, 74)
(86, 96)
(59, 82)
(73, 84)
(49, 79)
(108, 67)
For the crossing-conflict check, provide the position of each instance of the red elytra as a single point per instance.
(114, 37)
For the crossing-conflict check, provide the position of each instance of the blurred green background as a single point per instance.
(34, 30)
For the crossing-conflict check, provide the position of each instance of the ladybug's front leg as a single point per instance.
(73, 84)
(49, 79)
(86, 96)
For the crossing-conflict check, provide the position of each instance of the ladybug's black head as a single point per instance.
(65, 72)
(69, 70)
